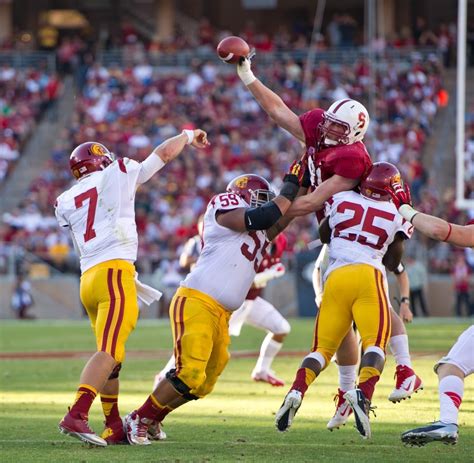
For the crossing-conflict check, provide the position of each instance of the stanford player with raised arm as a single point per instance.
(459, 362)
(366, 235)
(99, 210)
(238, 226)
(337, 161)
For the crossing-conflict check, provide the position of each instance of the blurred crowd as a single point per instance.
(131, 110)
(24, 95)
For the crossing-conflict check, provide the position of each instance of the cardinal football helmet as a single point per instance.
(344, 123)
(89, 157)
(253, 189)
(378, 180)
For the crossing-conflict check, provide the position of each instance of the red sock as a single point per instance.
(85, 395)
(153, 410)
(110, 408)
(368, 378)
(304, 377)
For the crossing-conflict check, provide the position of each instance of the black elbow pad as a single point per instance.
(400, 269)
(263, 217)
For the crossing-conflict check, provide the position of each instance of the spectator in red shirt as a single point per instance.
(460, 274)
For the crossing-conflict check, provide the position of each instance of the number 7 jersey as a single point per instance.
(99, 211)
(361, 230)
(229, 260)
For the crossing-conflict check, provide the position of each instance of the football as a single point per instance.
(232, 48)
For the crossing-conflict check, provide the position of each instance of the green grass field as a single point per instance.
(235, 423)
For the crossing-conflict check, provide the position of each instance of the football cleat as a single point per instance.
(437, 431)
(343, 411)
(136, 429)
(288, 409)
(361, 407)
(155, 432)
(114, 434)
(407, 384)
(79, 428)
(267, 377)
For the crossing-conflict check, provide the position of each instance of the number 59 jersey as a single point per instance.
(229, 260)
(361, 230)
(99, 211)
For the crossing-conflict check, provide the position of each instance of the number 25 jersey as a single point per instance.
(229, 260)
(361, 230)
(99, 211)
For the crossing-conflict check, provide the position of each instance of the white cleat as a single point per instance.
(343, 411)
(284, 416)
(155, 431)
(361, 408)
(136, 429)
(407, 384)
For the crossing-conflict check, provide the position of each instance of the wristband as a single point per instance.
(247, 77)
(190, 135)
(405, 299)
(449, 232)
(407, 212)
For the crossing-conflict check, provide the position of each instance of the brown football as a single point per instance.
(232, 48)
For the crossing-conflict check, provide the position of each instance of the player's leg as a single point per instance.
(347, 357)
(170, 365)
(97, 284)
(332, 324)
(194, 323)
(372, 316)
(238, 318)
(451, 371)
(407, 381)
(320, 267)
(265, 316)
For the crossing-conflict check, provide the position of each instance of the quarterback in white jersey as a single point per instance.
(361, 228)
(99, 211)
(237, 228)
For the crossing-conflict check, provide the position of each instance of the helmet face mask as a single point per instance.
(344, 123)
(253, 189)
(376, 183)
(89, 157)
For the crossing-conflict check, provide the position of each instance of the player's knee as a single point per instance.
(374, 349)
(185, 381)
(321, 356)
(115, 371)
(284, 328)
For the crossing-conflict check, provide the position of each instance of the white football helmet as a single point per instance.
(352, 120)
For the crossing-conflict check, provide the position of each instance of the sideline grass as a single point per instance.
(235, 423)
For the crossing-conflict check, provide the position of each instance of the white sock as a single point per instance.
(347, 377)
(400, 350)
(451, 390)
(268, 351)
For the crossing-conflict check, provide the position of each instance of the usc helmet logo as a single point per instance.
(396, 179)
(97, 150)
(242, 182)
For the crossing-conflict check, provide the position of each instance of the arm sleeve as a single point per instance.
(149, 167)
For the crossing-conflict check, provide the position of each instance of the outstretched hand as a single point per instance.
(200, 139)
(400, 193)
(244, 69)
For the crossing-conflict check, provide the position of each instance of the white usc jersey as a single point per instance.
(229, 260)
(99, 210)
(361, 230)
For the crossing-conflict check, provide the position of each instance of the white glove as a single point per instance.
(245, 72)
(261, 279)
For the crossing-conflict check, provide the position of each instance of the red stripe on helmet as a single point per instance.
(340, 104)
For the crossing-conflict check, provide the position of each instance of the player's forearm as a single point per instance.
(403, 284)
(171, 148)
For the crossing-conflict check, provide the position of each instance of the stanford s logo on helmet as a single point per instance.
(89, 157)
(344, 123)
(380, 177)
(253, 189)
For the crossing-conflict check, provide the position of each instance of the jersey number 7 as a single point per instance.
(79, 200)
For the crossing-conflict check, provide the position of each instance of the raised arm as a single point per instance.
(429, 225)
(314, 201)
(169, 150)
(270, 102)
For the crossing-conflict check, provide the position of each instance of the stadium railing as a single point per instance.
(122, 56)
(29, 59)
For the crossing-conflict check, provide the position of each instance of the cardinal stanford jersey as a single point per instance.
(348, 161)
(355, 289)
(99, 211)
(216, 286)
